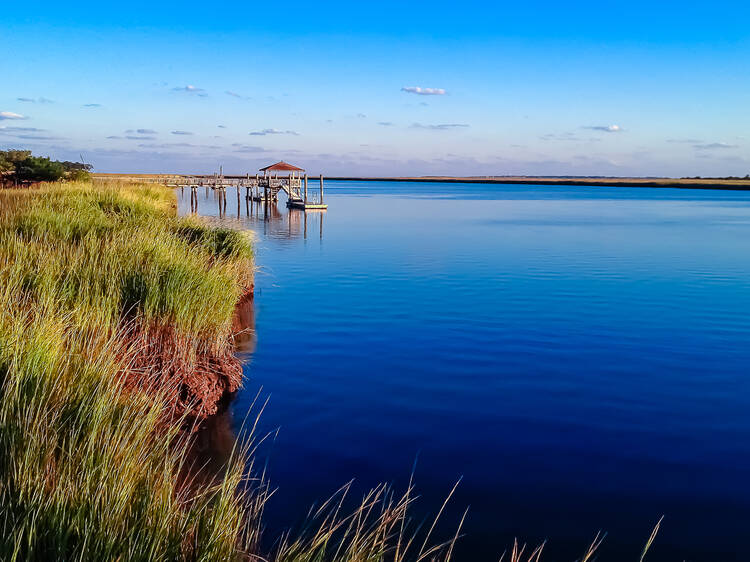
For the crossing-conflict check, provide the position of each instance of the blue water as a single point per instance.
(578, 355)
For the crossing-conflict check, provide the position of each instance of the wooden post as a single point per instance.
(321, 189)
(305, 189)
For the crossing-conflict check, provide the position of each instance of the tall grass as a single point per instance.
(96, 281)
(87, 465)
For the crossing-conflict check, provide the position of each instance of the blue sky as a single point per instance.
(386, 88)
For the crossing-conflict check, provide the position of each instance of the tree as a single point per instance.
(10, 158)
(39, 168)
(20, 165)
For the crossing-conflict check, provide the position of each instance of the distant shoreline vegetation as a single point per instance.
(727, 183)
(21, 167)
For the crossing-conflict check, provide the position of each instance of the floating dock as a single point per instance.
(263, 188)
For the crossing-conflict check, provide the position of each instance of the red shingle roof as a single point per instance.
(282, 166)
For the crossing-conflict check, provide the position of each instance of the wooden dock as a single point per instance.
(263, 188)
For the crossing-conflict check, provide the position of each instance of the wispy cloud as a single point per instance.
(181, 133)
(9, 115)
(190, 89)
(424, 91)
(221, 126)
(27, 133)
(440, 126)
(272, 132)
(385, 123)
(91, 105)
(361, 115)
(605, 128)
(714, 145)
(114, 137)
(144, 131)
(176, 145)
(38, 137)
(236, 95)
(685, 141)
(36, 100)
(567, 136)
(13, 130)
(239, 147)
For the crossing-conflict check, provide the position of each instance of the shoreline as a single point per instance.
(581, 181)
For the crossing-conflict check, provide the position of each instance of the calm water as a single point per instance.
(578, 355)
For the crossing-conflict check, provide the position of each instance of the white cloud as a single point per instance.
(91, 105)
(146, 131)
(272, 132)
(7, 115)
(424, 91)
(605, 128)
(190, 89)
(385, 123)
(181, 133)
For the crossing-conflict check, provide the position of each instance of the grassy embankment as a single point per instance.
(114, 318)
(87, 432)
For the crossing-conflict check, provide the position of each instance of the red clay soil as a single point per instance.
(192, 376)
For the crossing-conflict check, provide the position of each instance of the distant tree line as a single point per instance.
(747, 177)
(20, 166)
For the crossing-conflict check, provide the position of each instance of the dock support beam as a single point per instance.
(321, 189)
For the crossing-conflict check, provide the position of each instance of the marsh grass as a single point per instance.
(87, 465)
(95, 466)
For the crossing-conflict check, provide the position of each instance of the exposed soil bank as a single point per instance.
(195, 379)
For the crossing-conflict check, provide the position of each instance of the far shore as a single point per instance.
(696, 183)
(685, 183)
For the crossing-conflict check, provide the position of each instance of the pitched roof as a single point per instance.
(283, 166)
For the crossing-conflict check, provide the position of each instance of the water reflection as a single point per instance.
(213, 440)
(565, 350)
(235, 208)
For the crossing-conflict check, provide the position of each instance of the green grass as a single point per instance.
(94, 464)
(88, 466)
